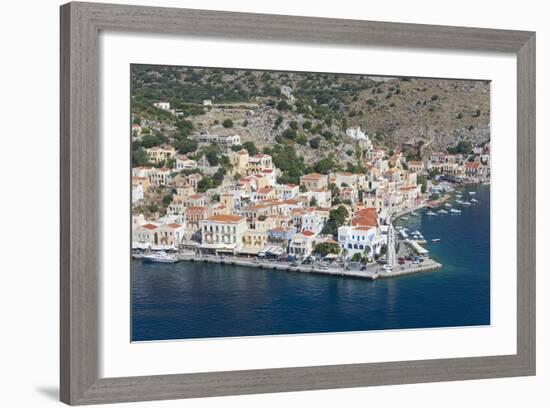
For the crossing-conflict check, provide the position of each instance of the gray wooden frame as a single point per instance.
(80, 26)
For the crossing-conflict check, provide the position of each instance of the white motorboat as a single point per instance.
(442, 211)
(455, 211)
(471, 192)
(448, 205)
(159, 257)
(431, 213)
(473, 200)
(466, 203)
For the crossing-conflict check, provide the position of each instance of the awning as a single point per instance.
(273, 250)
(250, 250)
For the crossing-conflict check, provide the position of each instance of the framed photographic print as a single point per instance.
(259, 203)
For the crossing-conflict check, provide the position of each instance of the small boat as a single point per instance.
(471, 192)
(442, 211)
(404, 218)
(455, 211)
(448, 205)
(436, 240)
(160, 257)
(416, 232)
(414, 213)
(431, 213)
(473, 200)
(466, 203)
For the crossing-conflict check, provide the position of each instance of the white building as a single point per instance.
(157, 236)
(259, 163)
(321, 198)
(312, 222)
(287, 191)
(302, 244)
(162, 105)
(137, 192)
(225, 141)
(183, 163)
(360, 136)
(161, 177)
(364, 240)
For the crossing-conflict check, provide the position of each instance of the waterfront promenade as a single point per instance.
(372, 271)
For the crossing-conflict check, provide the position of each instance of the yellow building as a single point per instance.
(223, 233)
(159, 154)
(239, 160)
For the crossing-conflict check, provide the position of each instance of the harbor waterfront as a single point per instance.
(187, 300)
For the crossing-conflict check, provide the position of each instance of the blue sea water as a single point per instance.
(196, 300)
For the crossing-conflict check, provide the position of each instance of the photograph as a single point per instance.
(287, 203)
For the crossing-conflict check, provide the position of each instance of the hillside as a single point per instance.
(312, 113)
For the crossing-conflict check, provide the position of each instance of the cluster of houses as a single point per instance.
(472, 167)
(257, 216)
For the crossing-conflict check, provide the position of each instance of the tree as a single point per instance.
(423, 184)
(356, 257)
(139, 157)
(212, 158)
(283, 105)
(315, 142)
(228, 123)
(327, 135)
(301, 139)
(150, 140)
(185, 145)
(289, 134)
(291, 165)
(167, 199)
(204, 184)
(251, 148)
(463, 147)
(337, 218)
(278, 121)
(313, 202)
(293, 125)
(324, 165)
(326, 248)
(432, 173)
(218, 176)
